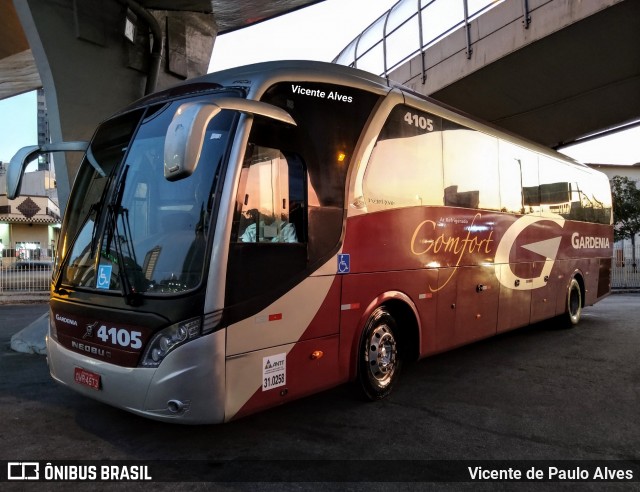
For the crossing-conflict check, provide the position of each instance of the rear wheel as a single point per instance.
(574, 303)
(378, 358)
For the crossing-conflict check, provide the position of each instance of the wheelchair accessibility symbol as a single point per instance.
(344, 263)
(104, 277)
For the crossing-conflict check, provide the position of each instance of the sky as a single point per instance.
(18, 124)
(318, 32)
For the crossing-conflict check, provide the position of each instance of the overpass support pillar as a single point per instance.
(95, 57)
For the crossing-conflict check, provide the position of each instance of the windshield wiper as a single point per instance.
(115, 210)
(93, 209)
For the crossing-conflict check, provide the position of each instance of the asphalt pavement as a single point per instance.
(538, 393)
(28, 332)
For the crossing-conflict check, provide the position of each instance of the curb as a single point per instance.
(31, 340)
(24, 297)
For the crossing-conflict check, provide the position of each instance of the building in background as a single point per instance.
(611, 170)
(625, 272)
(44, 160)
(30, 224)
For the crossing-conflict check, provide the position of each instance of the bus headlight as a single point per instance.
(168, 339)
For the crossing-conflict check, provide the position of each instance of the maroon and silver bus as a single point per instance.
(267, 232)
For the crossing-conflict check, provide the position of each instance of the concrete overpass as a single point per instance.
(19, 68)
(551, 70)
(93, 57)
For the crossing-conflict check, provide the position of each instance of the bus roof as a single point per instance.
(255, 78)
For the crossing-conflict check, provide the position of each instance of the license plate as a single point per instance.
(87, 378)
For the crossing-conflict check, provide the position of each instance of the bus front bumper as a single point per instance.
(187, 387)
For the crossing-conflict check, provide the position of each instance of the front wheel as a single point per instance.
(574, 303)
(378, 358)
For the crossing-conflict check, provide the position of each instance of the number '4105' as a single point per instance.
(121, 337)
(419, 121)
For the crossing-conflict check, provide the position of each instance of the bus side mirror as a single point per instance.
(185, 137)
(186, 131)
(25, 155)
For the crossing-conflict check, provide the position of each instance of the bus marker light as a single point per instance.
(348, 307)
(275, 317)
(316, 354)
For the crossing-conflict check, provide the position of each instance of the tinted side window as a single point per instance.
(271, 199)
(597, 193)
(519, 191)
(574, 193)
(557, 187)
(405, 168)
(330, 119)
(471, 177)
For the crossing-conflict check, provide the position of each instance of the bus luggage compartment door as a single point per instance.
(467, 305)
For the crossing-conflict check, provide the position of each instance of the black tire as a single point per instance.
(379, 362)
(574, 304)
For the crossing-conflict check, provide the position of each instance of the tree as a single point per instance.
(626, 210)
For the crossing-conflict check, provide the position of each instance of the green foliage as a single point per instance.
(626, 207)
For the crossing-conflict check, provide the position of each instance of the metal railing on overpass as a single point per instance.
(409, 28)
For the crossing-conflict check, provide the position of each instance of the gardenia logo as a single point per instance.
(582, 242)
(66, 320)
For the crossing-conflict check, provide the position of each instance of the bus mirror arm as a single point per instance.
(25, 155)
(186, 132)
(16, 169)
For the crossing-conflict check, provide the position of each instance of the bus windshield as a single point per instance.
(134, 231)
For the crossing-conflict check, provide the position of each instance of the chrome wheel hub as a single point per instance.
(382, 355)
